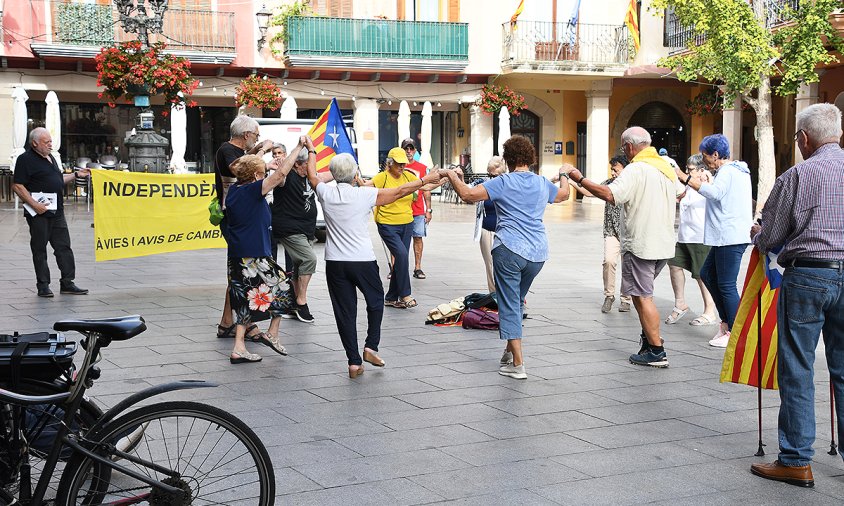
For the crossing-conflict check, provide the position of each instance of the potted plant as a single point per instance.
(494, 97)
(258, 92)
(299, 8)
(709, 101)
(129, 70)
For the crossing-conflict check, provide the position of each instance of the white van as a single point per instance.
(287, 132)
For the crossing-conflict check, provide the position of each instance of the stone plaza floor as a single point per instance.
(438, 424)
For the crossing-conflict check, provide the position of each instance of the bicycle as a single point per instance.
(166, 453)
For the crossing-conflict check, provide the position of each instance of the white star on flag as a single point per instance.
(334, 136)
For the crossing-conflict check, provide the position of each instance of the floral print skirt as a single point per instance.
(258, 289)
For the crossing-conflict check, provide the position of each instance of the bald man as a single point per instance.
(36, 171)
(648, 189)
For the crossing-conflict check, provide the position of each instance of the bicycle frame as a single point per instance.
(71, 401)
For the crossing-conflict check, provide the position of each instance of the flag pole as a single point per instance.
(833, 450)
(760, 451)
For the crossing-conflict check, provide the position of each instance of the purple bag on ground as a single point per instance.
(480, 319)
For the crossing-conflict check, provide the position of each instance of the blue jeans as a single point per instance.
(397, 239)
(811, 300)
(720, 273)
(513, 277)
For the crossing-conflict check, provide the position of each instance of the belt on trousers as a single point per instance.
(816, 263)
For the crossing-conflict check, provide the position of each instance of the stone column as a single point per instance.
(598, 129)
(806, 96)
(732, 127)
(366, 130)
(480, 138)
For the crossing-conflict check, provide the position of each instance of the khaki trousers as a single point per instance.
(612, 252)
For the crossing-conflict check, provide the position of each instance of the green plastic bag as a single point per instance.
(215, 212)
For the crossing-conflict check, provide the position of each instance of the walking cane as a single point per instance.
(833, 450)
(759, 452)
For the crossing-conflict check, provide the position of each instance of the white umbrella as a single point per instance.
(289, 108)
(178, 137)
(18, 123)
(425, 141)
(53, 123)
(503, 128)
(403, 122)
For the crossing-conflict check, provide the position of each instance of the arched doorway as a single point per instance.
(526, 124)
(666, 126)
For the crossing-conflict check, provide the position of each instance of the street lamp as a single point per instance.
(263, 16)
(141, 23)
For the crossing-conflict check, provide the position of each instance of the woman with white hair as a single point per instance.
(350, 263)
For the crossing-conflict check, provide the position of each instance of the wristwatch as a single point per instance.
(311, 151)
(565, 175)
(429, 210)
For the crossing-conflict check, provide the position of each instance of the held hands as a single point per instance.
(754, 230)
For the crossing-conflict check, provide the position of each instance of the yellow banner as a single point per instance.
(139, 214)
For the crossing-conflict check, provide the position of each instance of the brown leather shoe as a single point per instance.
(793, 475)
(372, 358)
(355, 371)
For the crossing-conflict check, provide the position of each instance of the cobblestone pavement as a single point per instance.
(438, 424)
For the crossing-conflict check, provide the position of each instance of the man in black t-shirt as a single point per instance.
(244, 136)
(294, 223)
(36, 172)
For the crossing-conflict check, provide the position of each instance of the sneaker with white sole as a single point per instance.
(624, 307)
(720, 341)
(650, 358)
(303, 314)
(512, 371)
(506, 358)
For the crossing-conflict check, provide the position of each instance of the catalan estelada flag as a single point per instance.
(741, 363)
(631, 19)
(516, 14)
(329, 136)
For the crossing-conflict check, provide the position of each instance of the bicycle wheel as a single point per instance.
(212, 456)
(39, 429)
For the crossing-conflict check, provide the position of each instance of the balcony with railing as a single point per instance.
(544, 45)
(677, 37)
(77, 29)
(377, 44)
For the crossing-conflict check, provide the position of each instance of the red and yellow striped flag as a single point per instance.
(515, 15)
(631, 19)
(329, 136)
(740, 359)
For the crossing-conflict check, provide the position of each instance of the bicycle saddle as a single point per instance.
(117, 329)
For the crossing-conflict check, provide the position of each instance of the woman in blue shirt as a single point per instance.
(256, 282)
(520, 247)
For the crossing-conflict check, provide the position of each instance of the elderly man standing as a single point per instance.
(36, 171)
(648, 189)
(294, 226)
(805, 212)
(243, 133)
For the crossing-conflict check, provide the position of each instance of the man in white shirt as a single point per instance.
(648, 189)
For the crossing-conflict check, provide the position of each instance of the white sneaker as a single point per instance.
(506, 358)
(513, 371)
(721, 340)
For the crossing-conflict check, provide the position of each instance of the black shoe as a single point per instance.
(302, 314)
(72, 289)
(45, 292)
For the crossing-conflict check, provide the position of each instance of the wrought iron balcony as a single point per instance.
(377, 44)
(561, 46)
(79, 29)
(677, 37)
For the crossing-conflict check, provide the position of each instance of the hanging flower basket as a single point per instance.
(710, 101)
(258, 92)
(127, 70)
(493, 98)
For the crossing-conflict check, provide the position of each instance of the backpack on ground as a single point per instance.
(480, 319)
(479, 300)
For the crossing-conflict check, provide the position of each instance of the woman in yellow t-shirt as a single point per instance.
(394, 226)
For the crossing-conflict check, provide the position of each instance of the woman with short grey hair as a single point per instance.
(350, 263)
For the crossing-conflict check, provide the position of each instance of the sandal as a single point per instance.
(418, 274)
(229, 332)
(704, 319)
(406, 303)
(273, 342)
(671, 320)
(391, 303)
(243, 357)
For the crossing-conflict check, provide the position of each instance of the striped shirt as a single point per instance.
(805, 210)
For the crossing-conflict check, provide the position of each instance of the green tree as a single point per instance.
(745, 45)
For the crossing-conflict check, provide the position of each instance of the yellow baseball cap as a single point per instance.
(398, 155)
